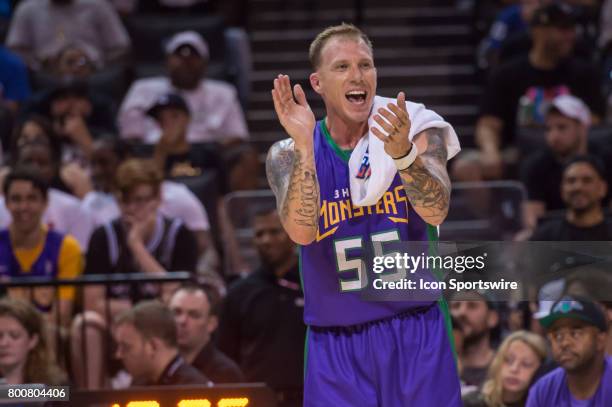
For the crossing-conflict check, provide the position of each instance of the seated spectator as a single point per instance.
(512, 371)
(147, 347)
(141, 240)
(216, 112)
(567, 125)
(584, 18)
(28, 248)
(583, 188)
(173, 153)
(196, 312)
(512, 20)
(14, 83)
(41, 28)
(25, 356)
(261, 324)
(69, 177)
(519, 91)
(576, 329)
(78, 115)
(177, 201)
(63, 213)
(597, 284)
(35, 128)
(477, 319)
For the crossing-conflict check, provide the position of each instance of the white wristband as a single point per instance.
(406, 161)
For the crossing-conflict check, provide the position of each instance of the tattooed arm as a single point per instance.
(426, 181)
(292, 176)
(290, 165)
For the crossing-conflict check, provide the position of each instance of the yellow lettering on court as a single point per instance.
(236, 402)
(194, 403)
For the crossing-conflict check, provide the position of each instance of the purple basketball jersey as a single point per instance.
(332, 268)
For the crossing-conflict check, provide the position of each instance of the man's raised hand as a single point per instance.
(395, 122)
(296, 118)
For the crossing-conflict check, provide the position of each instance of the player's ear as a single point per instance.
(315, 82)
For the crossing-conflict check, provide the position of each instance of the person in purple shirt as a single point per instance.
(577, 331)
(360, 353)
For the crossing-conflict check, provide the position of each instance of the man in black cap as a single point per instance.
(577, 330)
(519, 91)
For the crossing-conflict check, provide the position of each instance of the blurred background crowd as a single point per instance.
(132, 141)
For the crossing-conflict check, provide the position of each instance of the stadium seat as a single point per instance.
(490, 210)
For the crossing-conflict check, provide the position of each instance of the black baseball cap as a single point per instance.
(554, 15)
(170, 100)
(576, 307)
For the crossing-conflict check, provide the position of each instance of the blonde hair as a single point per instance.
(40, 366)
(492, 388)
(134, 172)
(343, 30)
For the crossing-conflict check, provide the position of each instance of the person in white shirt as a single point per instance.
(216, 112)
(41, 28)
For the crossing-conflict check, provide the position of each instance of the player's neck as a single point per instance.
(584, 384)
(345, 134)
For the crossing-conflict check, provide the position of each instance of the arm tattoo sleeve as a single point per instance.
(293, 179)
(426, 181)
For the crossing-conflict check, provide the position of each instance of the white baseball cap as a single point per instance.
(548, 294)
(572, 107)
(190, 38)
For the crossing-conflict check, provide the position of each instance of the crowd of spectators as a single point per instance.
(100, 182)
(109, 171)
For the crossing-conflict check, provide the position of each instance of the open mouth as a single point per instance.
(357, 97)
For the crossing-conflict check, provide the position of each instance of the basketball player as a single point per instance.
(366, 354)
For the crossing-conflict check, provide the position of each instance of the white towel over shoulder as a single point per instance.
(368, 191)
